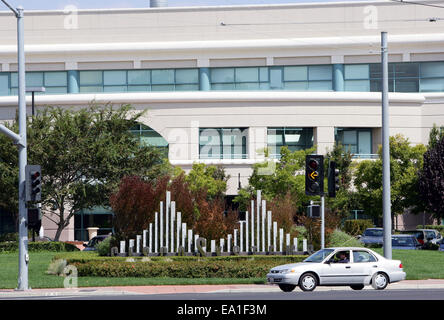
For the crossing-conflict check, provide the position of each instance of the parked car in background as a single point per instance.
(441, 245)
(425, 235)
(432, 235)
(354, 267)
(91, 245)
(405, 242)
(372, 236)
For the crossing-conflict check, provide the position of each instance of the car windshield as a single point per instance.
(403, 242)
(319, 256)
(373, 233)
(417, 234)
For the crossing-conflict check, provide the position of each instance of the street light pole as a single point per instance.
(20, 140)
(386, 202)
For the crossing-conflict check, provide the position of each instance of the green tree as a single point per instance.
(84, 154)
(210, 178)
(277, 179)
(436, 134)
(405, 161)
(431, 177)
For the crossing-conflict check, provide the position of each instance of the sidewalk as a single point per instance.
(136, 290)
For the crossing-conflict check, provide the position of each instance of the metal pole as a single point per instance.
(386, 204)
(33, 113)
(23, 217)
(322, 223)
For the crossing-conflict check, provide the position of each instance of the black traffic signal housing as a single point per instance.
(33, 183)
(314, 175)
(34, 221)
(333, 179)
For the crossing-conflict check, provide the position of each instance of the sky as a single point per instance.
(102, 4)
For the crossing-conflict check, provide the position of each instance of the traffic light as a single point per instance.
(314, 175)
(333, 179)
(34, 221)
(33, 183)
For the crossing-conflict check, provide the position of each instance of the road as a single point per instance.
(400, 294)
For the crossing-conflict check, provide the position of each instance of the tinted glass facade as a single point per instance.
(223, 143)
(356, 140)
(403, 77)
(293, 138)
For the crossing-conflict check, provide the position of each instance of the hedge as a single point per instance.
(357, 227)
(12, 246)
(215, 267)
(440, 228)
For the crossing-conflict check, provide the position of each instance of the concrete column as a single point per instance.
(204, 79)
(73, 81)
(338, 77)
(324, 138)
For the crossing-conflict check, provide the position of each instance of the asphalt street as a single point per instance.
(407, 294)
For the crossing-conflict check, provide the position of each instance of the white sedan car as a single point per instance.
(354, 267)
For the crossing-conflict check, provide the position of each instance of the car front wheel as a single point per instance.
(308, 282)
(287, 287)
(380, 281)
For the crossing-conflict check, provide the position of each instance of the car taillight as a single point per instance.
(400, 266)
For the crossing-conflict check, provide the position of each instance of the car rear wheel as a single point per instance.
(308, 282)
(380, 281)
(357, 286)
(287, 287)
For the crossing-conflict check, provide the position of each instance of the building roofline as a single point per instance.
(223, 7)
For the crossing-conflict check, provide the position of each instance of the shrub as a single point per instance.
(342, 239)
(187, 267)
(54, 246)
(8, 237)
(57, 267)
(104, 247)
(440, 228)
(356, 227)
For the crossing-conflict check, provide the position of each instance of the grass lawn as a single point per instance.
(420, 264)
(38, 278)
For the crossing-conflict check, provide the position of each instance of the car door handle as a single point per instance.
(374, 266)
(347, 267)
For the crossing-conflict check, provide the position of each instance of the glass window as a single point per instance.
(114, 78)
(293, 138)
(115, 88)
(362, 256)
(162, 76)
(403, 70)
(320, 72)
(246, 75)
(247, 86)
(432, 85)
(357, 140)
(319, 85)
(91, 89)
(276, 78)
(222, 75)
(263, 74)
(56, 79)
(365, 142)
(187, 87)
(14, 80)
(356, 71)
(91, 78)
(222, 86)
(223, 143)
(139, 77)
(432, 69)
(298, 73)
(184, 76)
(56, 90)
(4, 84)
(357, 85)
(34, 79)
(296, 86)
(407, 85)
(162, 87)
(139, 88)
